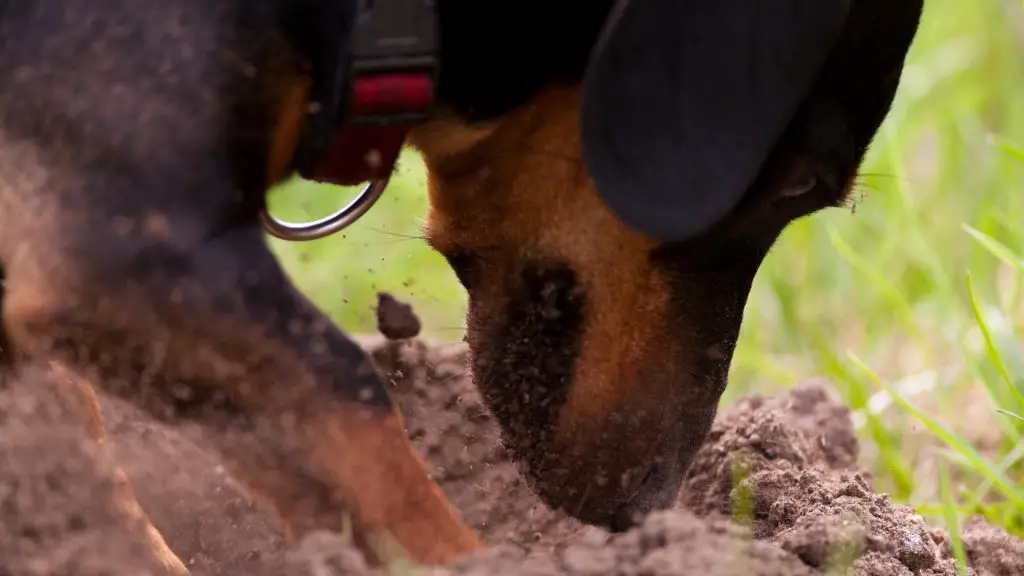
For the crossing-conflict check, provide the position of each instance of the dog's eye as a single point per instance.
(465, 264)
(799, 183)
(808, 185)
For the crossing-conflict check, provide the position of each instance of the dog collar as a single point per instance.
(373, 78)
(391, 83)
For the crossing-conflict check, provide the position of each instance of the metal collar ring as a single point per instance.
(328, 225)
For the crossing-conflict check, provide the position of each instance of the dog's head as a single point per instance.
(603, 347)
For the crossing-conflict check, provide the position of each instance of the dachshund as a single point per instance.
(605, 179)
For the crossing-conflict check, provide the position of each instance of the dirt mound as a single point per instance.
(776, 490)
(785, 467)
(790, 457)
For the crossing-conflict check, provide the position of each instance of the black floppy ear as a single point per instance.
(683, 101)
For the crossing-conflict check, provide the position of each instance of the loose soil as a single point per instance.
(775, 491)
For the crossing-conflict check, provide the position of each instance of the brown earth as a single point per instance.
(784, 469)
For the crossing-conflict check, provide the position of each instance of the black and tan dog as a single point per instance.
(606, 215)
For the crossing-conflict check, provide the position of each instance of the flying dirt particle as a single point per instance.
(396, 320)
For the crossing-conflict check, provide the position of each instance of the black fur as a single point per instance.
(496, 55)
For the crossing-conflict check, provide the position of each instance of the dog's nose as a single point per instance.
(657, 490)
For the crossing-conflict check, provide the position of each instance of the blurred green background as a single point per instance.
(910, 304)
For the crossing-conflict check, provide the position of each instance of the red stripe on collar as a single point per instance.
(381, 110)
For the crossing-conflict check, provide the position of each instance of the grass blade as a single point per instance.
(1010, 414)
(884, 286)
(995, 247)
(1009, 147)
(1013, 458)
(977, 462)
(949, 513)
(991, 349)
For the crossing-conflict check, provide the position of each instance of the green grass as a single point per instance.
(911, 304)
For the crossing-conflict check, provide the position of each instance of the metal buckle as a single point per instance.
(389, 37)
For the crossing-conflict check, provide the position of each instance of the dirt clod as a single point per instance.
(991, 551)
(396, 320)
(775, 491)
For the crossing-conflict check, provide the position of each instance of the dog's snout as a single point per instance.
(586, 348)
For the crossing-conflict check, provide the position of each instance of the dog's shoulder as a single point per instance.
(168, 96)
(78, 67)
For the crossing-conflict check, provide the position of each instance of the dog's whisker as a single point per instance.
(392, 233)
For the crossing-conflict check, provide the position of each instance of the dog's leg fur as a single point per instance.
(124, 496)
(227, 342)
(133, 163)
(4, 346)
(281, 391)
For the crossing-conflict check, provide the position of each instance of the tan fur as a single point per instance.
(125, 501)
(410, 509)
(288, 129)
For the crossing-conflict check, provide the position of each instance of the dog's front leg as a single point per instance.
(125, 500)
(124, 497)
(191, 319)
(135, 154)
